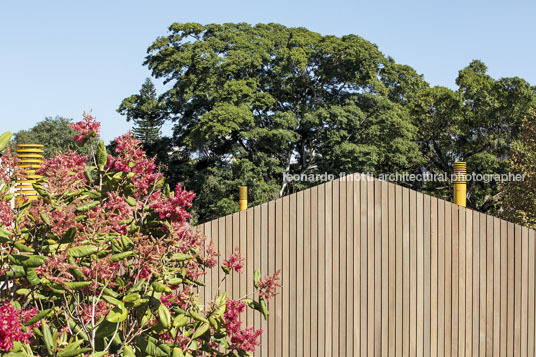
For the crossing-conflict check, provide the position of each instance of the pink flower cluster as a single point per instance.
(86, 128)
(268, 285)
(235, 261)
(11, 328)
(65, 172)
(240, 339)
(131, 158)
(174, 206)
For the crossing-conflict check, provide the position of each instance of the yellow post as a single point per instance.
(460, 184)
(243, 198)
(30, 157)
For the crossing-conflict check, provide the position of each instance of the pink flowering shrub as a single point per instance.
(105, 263)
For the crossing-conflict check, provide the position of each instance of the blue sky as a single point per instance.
(63, 57)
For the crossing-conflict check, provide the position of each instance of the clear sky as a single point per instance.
(60, 57)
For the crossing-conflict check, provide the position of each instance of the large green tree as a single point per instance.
(52, 132)
(252, 103)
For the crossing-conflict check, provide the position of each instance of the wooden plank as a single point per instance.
(308, 288)
(349, 268)
(364, 266)
(299, 303)
(357, 265)
(476, 283)
(393, 317)
(228, 243)
(243, 224)
(235, 242)
(468, 283)
(250, 238)
(279, 247)
(413, 273)
(208, 282)
(496, 286)
(384, 269)
(335, 268)
(455, 279)
(377, 266)
(483, 285)
(489, 286)
(524, 289)
(461, 281)
(293, 341)
(517, 292)
(433, 277)
(398, 269)
(272, 268)
(314, 271)
(263, 266)
(441, 278)
(329, 322)
(427, 274)
(342, 267)
(504, 286)
(511, 291)
(322, 276)
(370, 268)
(448, 279)
(285, 330)
(420, 274)
(531, 297)
(405, 273)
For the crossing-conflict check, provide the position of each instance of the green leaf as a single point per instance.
(201, 330)
(37, 317)
(264, 308)
(159, 287)
(44, 218)
(131, 201)
(77, 284)
(99, 354)
(47, 337)
(4, 140)
(128, 352)
(164, 316)
(5, 234)
(102, 155)
(112, 300)
(257, 277)
(177, 352)
(117, 314)
(180, 320)
(196, 316)
(75, 352)
(29, 261)
(68, 236)
(117, 257)
(88, 206)
(179, 257)
(23, 248)
(32, 277)
(82, 251)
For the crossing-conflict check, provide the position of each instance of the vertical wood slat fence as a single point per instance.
(370, 268)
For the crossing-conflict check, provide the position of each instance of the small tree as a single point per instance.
(105, 263)
(145, 111)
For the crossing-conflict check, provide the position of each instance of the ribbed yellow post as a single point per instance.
(30, 157)
(243, 198)
(460, 183)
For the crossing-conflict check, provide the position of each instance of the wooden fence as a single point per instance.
(370, 268)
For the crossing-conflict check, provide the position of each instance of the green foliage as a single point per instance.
(145, 111)
(54, 133)
(249, 104)
(477, 123)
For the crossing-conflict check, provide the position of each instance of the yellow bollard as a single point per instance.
(243, 198)
(460, 183)
(30, 157)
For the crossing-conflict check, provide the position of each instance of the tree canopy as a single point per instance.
(253, 103)
(54, 133)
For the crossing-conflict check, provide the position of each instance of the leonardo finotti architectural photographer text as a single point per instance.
(404, 177)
